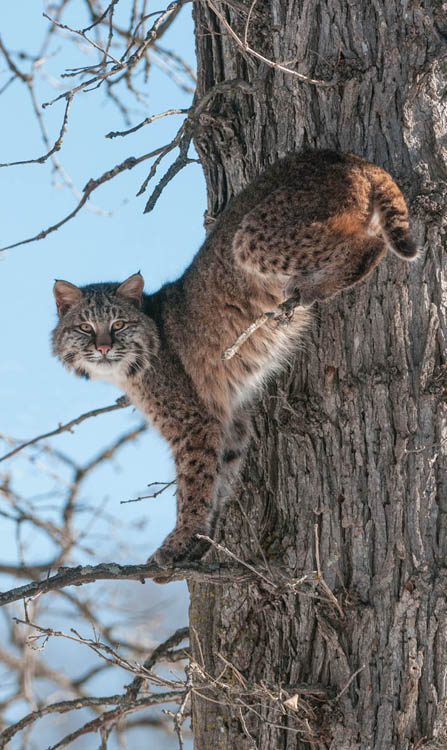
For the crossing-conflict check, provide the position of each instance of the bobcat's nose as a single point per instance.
(103, 348)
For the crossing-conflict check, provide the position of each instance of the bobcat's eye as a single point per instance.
(117, 325)
(86, 327)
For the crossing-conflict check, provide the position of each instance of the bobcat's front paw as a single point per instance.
(181, 545)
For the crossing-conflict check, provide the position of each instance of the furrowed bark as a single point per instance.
(353, 436)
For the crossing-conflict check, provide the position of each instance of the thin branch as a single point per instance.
(122, 64)
(124, 707)
(271, 64)
(234, 557)
(105, 652)
(101, 17)
(321, 580)
(118, 713)
(159, 653)
(282, 314)
(165, 486)
(182, 139)
(242, 338)
(121, 403)
(179, 717)
(181, 161)
(92, 185)
(81, 32)
(352, 677)
(147, 121)
(57, 144)
(247, 23)
(7, 84)
(25, 77)
(210, 572)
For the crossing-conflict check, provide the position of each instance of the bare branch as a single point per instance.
(121, 403)
(215, 572)
(122, 64)
(179, 717)
(165, 486)
(101, 18)
(158, 654)
(25, 77)
(283, 313)
(124, 708)
(147, 121)
(92, 185)
(82, 33)
(57, 144)
(107, 653)
(181, 161)
(271, 64)
(233, 556)
(321, 580)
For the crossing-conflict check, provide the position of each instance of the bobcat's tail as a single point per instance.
(390, 210)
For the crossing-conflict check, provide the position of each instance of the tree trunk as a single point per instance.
(351, 437)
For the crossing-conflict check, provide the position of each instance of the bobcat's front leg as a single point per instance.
(196, 456)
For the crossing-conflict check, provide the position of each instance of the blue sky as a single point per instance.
(36, 392)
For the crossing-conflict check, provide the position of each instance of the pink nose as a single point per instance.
(103, 348)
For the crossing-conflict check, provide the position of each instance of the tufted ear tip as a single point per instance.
(132, 289)
(66, 295)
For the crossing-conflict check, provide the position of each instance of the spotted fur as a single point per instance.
(312, 225)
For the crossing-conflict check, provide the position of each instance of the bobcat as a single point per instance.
(313, 224)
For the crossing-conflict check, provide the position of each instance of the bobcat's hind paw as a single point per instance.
(178, 547)
(300, 291)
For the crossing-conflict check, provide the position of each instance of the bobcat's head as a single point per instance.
(102, 332)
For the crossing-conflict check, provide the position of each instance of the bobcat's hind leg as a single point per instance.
(351, 261)
(273, 239)
(236, 439)
(319, 256)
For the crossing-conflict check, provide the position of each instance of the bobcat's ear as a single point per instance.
(132, 289)
(66, 295)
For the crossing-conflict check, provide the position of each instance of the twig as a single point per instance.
(81, 32)
(231, 351)
(57, 143)
(147, 121)
(253, 745)
(92, 185)
(159, 653)
(352, 677)
(210, 572)
(122, 64)
(271, 64)
(25, 77)
(233, 556)
(182, 139)
(166, 485)
(282, 313)
(101, 17)
(181, 161)
(109, 654)
(247, 23)
(321, 580)
(73, 705)
(162, 652)
(121, 403)
(179, 717)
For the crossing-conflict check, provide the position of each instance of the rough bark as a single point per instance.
(353, 436)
